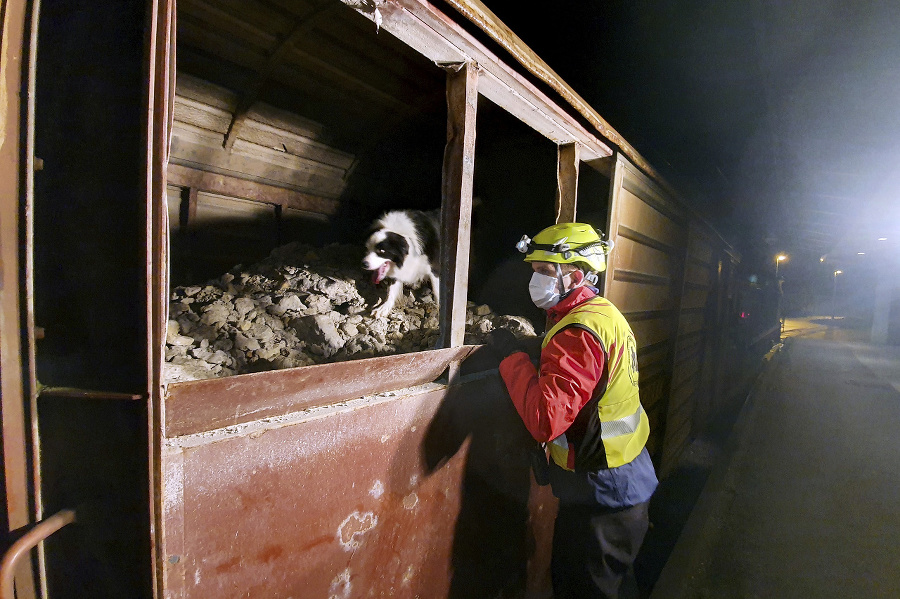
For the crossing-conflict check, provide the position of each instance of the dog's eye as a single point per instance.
(380, 251)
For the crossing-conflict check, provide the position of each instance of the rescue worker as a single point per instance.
(583, 404)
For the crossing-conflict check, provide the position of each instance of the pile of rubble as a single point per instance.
(303, 306)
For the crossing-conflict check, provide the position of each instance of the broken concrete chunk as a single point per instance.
(244, 343)
(482, 310)
(242, 305)
(261, 332)
(192, 370)
(173, 330)
(216, 313)
(202, 353)
(289, 303)
(320, 330)
(318, 304)
(521, 327)
(219, 357)
(182, 340)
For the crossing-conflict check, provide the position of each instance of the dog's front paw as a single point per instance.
(382, 311)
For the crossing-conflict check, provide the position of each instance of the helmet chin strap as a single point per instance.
(559, 277)
(562, 286)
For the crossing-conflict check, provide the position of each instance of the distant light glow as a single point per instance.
(882, 239)
(822, 259)
(838, 272)
(860, 253)
(781, 257)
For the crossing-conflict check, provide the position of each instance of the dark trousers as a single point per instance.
(593, 549)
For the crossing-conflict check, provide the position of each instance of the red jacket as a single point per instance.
(572, 364)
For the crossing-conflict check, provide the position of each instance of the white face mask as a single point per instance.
(544, 290)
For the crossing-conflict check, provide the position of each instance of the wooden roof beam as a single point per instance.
(284, 47)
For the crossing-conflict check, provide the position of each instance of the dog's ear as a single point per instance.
(396, 247)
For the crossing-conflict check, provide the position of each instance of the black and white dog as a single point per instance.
(404, 247)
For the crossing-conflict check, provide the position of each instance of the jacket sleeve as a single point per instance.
(548, 401)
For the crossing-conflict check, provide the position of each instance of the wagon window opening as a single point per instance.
(514, 187)
(593, 200)
(296, 126)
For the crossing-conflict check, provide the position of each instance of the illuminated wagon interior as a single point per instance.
(299, 446)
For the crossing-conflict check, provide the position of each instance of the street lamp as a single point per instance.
(778, 259)
(834, 292)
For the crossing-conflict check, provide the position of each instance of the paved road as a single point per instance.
(827, 328)
(805, 501)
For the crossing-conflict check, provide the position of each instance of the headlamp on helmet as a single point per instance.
(568, 243)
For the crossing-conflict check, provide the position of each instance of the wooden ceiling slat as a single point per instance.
(238, 21)
(399, 73)
(354, 113)
(335, 86)
(192, 33)
(328, 71)
(356, 36)
(294, 8)
(250, 94)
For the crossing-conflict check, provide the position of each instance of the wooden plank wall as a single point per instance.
(694, 364)
(274, 147)
(645, 279)
(669, 275)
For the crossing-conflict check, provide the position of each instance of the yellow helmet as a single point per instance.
(568, 243)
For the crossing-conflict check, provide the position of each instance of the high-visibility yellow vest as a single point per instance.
(612, 428)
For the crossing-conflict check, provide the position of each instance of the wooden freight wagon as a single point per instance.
(177, 140)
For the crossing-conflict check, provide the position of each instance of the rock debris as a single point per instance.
(301, 306)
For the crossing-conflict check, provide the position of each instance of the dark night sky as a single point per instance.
(779, 121)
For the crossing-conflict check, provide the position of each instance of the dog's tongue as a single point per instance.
(379, 274)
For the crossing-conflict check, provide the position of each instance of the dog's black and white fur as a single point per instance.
(404, 247)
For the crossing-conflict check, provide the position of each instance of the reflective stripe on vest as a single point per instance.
(623, 426)
(613, 424)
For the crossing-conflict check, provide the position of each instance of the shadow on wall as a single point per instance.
(494, 541)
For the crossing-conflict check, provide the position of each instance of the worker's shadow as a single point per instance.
(493, 541)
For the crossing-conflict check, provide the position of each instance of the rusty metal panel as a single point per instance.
(15, 366)
(197, 406)
(427, 494)
(160, 48)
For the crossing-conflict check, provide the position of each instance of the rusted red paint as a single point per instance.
(198, 406)
(424, 495)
